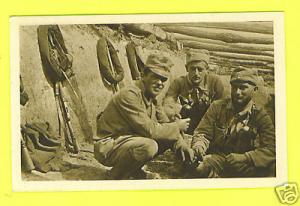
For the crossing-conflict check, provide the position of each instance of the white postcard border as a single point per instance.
(280, 98)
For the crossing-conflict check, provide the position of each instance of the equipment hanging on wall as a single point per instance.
(109, 63)
(134, 61)
(57, 66)
(54, 54)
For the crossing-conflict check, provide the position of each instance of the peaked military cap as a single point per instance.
(244, 75)
(159, 64)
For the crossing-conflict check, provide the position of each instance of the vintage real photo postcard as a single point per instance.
(164, 101)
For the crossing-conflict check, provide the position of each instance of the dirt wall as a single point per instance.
(81, 43)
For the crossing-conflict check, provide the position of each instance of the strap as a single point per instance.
(115, 86)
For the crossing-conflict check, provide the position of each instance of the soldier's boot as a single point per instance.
(133, 157)
(144, 174)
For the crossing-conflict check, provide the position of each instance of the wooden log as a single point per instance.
(266, 71)
(222, 48)
(146, 29)
(256, 27)
(259, 47)
(243, 56)
(270, 53)
(224, 35)
(262, 71)
(230, 64)
(239, 61)
(227, 56)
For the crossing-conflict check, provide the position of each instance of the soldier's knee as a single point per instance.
(272, 170)
(146, 151)
(151, 148)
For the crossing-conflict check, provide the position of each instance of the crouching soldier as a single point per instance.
(195, 91)
(133, 129)
(235, 138)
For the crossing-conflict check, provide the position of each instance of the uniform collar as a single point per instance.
(141, 86)
(247, 109)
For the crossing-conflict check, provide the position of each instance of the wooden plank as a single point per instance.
(256, 27)
(224, 35)
(222, 48)
(259, 47)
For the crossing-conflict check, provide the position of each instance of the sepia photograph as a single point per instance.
(164, 101)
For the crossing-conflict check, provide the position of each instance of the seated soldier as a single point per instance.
(133, 129)
(196, 90)
(235, 138)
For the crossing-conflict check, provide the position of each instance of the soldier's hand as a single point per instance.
(183, 124)
(186, 154)
(199, 151)
(240, 163)
(234, 159)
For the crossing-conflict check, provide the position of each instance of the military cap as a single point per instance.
(244, 75)
(202, 55)
(159, 65)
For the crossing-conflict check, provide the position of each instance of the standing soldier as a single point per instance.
(133, 129)
(237, 136)
(195, 91)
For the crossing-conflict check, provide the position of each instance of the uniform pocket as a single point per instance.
(219, 130)
(219, 133)
(246, 140)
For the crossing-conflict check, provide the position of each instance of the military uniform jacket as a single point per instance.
(256, 139)
(129, 113)
(183, 87)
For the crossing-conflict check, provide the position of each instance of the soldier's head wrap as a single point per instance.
(202, 55)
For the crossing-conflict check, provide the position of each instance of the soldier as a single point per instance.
(237, 136)
(196, 90)
(133, 129)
